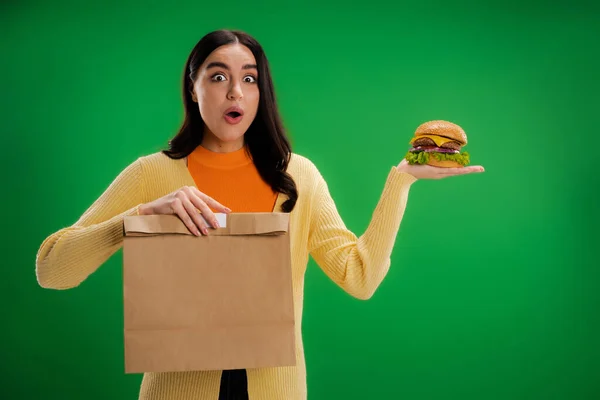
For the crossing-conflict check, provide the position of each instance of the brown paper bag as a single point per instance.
(215, 302)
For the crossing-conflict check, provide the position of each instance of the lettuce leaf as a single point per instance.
(422, 157)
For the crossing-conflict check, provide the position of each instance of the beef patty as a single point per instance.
(425, 141)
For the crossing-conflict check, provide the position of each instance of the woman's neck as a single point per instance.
(216, 145)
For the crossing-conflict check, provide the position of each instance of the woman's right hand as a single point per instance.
(187, 203)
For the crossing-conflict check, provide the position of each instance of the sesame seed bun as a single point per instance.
(442, 128)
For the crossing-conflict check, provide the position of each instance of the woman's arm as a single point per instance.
(358, 264)
(67, 257)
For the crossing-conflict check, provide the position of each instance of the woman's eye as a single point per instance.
(218, 77)
(250, 79)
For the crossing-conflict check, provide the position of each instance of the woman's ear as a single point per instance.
(193, 92)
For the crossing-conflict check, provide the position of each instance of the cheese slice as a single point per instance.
(439, 140)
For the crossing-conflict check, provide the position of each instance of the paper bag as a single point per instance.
(222, 301)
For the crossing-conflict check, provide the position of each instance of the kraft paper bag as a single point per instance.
(222, 301)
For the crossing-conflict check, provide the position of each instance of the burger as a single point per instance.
(438, 143)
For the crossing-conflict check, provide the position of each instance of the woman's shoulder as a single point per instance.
(159, 161)
(301, 167)
(156, 158)
(305, 173)
(156, 166)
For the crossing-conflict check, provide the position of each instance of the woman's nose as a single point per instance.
(235, 92)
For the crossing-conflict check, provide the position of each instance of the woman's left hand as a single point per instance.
(431, 172)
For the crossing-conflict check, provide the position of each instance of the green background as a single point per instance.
(494, 287)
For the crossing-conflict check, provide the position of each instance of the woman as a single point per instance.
(231, 154)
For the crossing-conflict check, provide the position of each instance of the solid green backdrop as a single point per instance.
(493, 289)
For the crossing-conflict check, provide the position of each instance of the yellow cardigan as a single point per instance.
(357, 264)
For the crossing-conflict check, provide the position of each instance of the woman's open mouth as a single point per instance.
(234, 115)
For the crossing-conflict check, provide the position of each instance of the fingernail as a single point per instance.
(205, 231)
(227, 210)
(216, 224)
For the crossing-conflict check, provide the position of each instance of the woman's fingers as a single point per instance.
(192, 210)
(179, 210)
(186, 204)
(424, 171)
(215, 205)
(201, 205)
(191, 206)
(462, 171)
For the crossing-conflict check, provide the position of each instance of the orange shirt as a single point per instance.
(231, 179)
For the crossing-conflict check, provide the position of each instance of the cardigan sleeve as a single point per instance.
(358, 264)
(67, 257)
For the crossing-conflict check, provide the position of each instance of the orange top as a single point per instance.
(231, 179)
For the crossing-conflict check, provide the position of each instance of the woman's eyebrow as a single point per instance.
(218, 64)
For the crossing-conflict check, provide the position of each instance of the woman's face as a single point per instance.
(226, 90)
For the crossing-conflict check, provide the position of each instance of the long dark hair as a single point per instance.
(266, 138)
